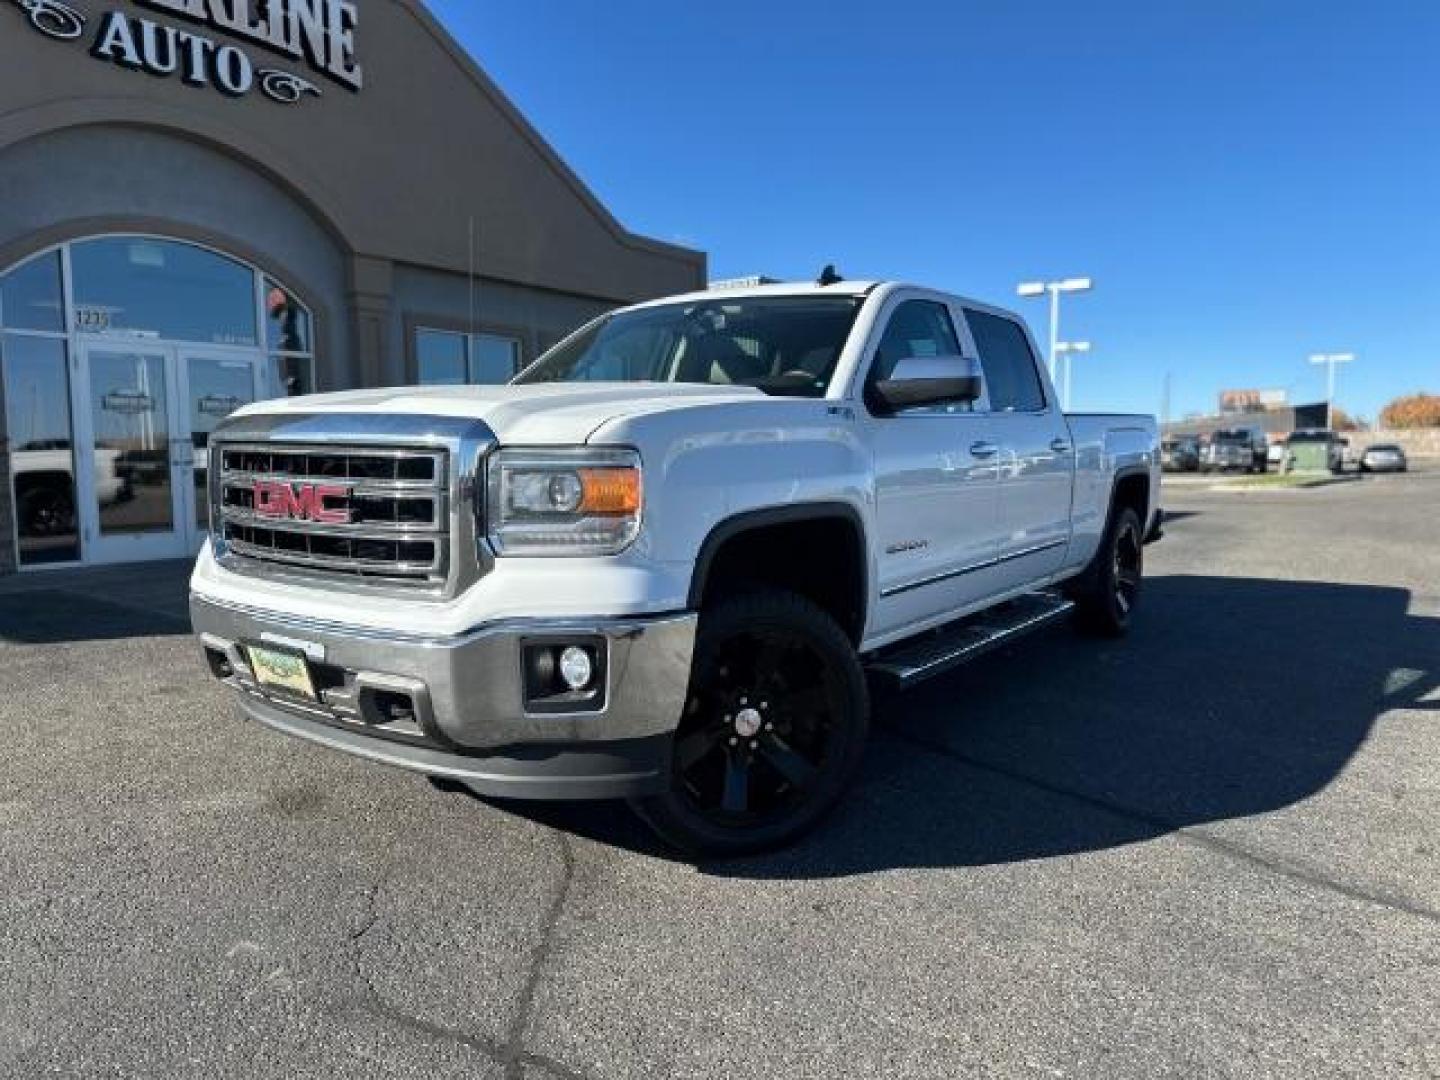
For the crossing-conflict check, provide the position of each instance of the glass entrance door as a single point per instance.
(131, 505)
(146, 413)
(216, 384)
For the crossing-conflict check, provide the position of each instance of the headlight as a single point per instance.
(563, 502)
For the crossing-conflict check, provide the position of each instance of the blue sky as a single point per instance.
(1247, 182)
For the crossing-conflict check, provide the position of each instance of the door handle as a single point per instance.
(984, 449)
(1060, 446)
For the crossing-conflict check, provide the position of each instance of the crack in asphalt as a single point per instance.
(1186, 833)
(525, 1009)
(511, 1054)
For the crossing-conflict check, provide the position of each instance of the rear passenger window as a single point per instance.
(1011, 374)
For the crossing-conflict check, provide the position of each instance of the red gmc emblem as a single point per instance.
(303, 502)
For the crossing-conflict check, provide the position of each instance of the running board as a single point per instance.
(947, 648)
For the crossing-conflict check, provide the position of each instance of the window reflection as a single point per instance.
(217, 388)
(31, 298)
(128, 409)
(287, 326)
(493, 359)
(42, 461)
(440, 357)
(162, 289)
(449, 358)
(138, 304)
(290, 376)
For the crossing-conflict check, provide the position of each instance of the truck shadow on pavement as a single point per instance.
(1231, 697)
(55, 616)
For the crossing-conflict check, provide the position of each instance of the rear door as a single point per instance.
(1037, 467)
(936, 476)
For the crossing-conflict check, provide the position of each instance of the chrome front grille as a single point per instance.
(364, 512)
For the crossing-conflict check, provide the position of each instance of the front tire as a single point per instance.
(774, 728)
(46, 512)
(1106, 593)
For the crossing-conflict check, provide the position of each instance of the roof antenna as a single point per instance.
(829, 276)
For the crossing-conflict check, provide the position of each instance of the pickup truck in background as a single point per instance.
(1236, 448)
(45, 486)
(669, 561)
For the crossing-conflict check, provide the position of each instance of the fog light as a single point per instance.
(576, 667)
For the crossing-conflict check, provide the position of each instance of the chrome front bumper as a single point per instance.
(469, 720)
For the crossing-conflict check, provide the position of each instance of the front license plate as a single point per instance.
(286, 672)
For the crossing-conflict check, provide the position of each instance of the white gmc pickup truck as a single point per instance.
(668, 562)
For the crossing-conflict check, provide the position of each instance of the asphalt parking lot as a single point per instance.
(1212, 850)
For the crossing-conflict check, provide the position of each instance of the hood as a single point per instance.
(543, 414)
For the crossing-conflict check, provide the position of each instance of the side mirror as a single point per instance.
(927, 380)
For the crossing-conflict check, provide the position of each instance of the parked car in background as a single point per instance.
(1384, 457)
(1236, 448)
(1314, 449)
(1181, 454)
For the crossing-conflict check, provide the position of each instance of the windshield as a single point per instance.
(781, 344)
(1232, 437)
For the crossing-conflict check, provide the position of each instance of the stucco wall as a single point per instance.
(400, 169)
(1418, 442)
(89, 180)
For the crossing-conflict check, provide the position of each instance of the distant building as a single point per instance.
(1276, 423)
(1252, 401)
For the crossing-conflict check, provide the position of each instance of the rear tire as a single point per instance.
(774, 728)
(1106, 593)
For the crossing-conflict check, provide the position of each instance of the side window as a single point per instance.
(1011, 373)
(916, 328)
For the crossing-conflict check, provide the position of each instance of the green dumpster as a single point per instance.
(1315, 451)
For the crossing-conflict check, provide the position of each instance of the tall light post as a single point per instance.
(1055, 288)
(1067, 349)
(1331, 361)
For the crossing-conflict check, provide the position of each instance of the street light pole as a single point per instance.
(1054, 331)
(1055, 288)
(1068, 349)
(1331, 361)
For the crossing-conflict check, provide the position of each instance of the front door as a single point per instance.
(937, 500)
(145, 413)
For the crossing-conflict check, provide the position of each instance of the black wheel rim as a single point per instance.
(49, 516)
(1129, 559)
(759, 730)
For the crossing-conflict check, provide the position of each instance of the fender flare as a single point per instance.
(1153, 514)
(750, 520)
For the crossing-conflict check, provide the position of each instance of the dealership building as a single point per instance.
(207, 202)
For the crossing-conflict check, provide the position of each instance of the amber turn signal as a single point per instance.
(610, 491)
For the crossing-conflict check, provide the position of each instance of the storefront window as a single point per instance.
(447, 358)
(440, 357)
(162, 289)
(287, 323)
(149, 323)
(31, 297)
(42, 458)
(291, 376)
(494, 359)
